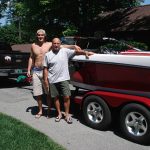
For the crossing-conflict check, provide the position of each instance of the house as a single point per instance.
(21, 47)
(129, 24)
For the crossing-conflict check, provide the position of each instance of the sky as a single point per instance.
(146, 2)
(3, 20)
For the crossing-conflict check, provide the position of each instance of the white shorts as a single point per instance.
(38, 83)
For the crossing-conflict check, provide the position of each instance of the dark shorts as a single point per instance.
(60, 89)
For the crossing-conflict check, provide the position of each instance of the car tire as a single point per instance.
(96, 113)
(135, 123)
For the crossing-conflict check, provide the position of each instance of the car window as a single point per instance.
(98, 45)
(82, 42)
(68, 40)
(5, 46)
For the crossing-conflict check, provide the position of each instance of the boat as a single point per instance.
(123, 73)
(114, 85)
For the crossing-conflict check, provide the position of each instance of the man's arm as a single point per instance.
(83, 52)
(30, 63)
(75, 47)
(45, 73)
(78, 50)
(45, 77)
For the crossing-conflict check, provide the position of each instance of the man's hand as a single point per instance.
(83, 52)
(77, 48)
(87, 54)
(28, 74)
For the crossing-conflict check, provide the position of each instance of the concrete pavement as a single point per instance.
(18, 102)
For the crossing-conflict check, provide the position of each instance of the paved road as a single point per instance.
(19, 103)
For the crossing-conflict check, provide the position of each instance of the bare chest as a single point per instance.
(40, 50)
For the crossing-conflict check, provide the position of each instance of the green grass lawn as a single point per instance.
(15, 135)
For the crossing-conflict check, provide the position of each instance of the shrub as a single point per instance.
(114, 47)
(70, 30)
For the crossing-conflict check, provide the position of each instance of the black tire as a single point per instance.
(96, 113)
(135, 123)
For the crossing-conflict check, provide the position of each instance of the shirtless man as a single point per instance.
(35, 63)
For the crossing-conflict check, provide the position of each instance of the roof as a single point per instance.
(129, 19)
(21, 47)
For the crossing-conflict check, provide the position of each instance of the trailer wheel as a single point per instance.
(135, 123)
(96, 112)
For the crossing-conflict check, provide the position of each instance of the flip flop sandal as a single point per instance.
(68, 119)
(37, 116)
(58, 118)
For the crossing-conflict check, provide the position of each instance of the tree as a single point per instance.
(3, 6)
(9, 34)
(55, 16)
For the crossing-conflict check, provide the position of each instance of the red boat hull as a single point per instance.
(111, 75)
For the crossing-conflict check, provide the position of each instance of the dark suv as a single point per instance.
(103, 45)
(12, 63)
(91, 43)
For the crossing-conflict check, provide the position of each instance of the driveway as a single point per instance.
(17, 101)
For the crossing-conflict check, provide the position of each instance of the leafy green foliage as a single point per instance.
(139, 45)
(114, 46)
(70, 31)
(3, 6)
(122, 46)
(55, 16)
(9, 33)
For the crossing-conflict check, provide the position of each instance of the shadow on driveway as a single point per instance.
(11, 82)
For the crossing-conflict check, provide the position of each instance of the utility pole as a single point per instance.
(19, 28)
